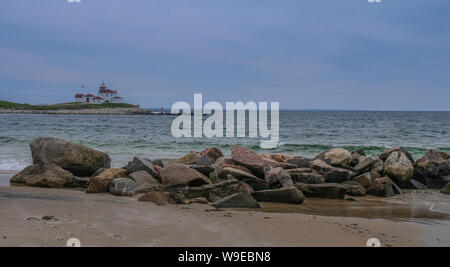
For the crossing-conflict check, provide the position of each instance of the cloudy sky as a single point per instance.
(306, 54)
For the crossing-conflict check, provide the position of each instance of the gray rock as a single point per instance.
(398, 167)
(283, 195)
(144, 177)
(382, 187)
(354, 189)
(365, 179)
(365, 164)
(163, 162)
(433, 169)
(180, 174)
(128, 187)
(256, 183)
(44, 175)
(327, 190)
(278, 177)
(387, 152)
(238, 200)
(78, 159)
(332, 174)
(306, 175)
(214, 192)
(142, 164)
(339, 157)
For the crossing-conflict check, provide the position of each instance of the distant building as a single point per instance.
(105, 95)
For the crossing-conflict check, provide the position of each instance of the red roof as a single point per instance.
(107, 91)
(79, 96)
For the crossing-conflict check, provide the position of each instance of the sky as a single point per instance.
(305, 54)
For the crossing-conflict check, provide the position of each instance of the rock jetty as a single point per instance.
(244, 180)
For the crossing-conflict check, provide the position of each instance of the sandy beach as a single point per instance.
(106, 220)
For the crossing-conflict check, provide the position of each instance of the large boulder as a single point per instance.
(44, 174)
(433, 169)
(163, 198)
(180, 174)
(144, 177)
(283, 195)
(365, 179)
(238, 200)
(128, 187)
(255, 162)
(339, 157)
(399, 167)
(387, 152)
(190, 158)
(214, 192)
(142, 164)
(446, 189)
(101, 182)
(256, 183)
(306, 175)
(78, 159)
(332, 174)
(353, 188)
(204, 165)
(327, 190)
(213, 153)
(278, 177)
(365, 164)
(383, 187)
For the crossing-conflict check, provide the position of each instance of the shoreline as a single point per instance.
(106, 220)
(91, 111)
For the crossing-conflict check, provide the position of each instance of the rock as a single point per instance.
(101, 182)
(256, 163)
(377, 166)
(162, 162)
(283, 195)
(306, 175)
(300, 162)
(228, 162)
(180, 174)
(446, 189)
(278, 177)
(433, 169)
(278, 157)
(80, 182)
(128, 187)
(414, 184)
(332, 174)
(190, 158)
(97, 172)
(339, 157)
(44, 175)
(238, 200)
(365, 179)
(256, 183)
(213, 153)
(214, 192)
(78, 159)
(365, 164)
(327, 190)
(199, 200)
(354, 189)
(144, 177)
(204, 165)
(163, 198)
(387, 152)
(142, 164)
(399, 167)
(382, 187)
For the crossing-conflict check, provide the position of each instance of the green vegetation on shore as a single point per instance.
(70, 106)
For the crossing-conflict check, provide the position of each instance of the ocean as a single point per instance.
(304, 133)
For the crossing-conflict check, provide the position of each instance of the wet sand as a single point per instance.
(106, 220)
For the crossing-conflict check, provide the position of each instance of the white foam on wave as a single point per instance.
(10, 164)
